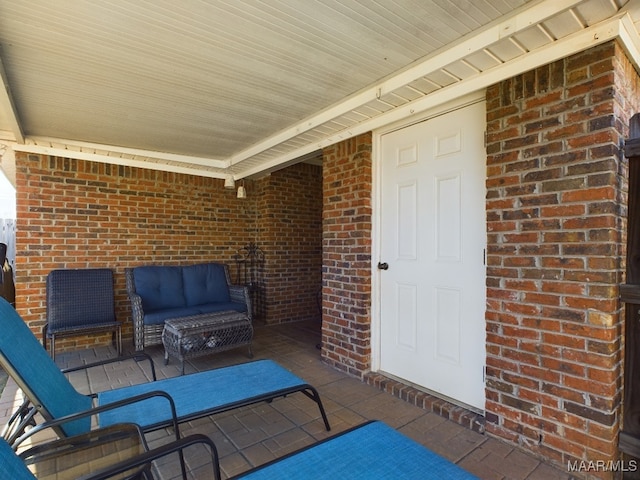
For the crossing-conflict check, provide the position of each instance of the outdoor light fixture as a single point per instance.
(229, 182)
(242, 192)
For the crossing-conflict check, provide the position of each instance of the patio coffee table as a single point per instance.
(196, 335)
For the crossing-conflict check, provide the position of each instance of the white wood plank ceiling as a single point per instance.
(210, 87)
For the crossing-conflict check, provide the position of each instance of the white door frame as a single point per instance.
(376, 223)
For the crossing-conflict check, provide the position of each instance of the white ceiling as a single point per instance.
(210, 87)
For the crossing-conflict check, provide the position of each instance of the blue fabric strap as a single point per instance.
(37, 374)
(11, 465)
(199, 393)
(373, 451)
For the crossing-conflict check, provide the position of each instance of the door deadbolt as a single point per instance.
(383, 266)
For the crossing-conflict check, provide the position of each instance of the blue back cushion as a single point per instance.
(23, 357)
(205, 283)
(160, 287)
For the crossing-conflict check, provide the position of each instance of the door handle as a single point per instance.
(383, 266)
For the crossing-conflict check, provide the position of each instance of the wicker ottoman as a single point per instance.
(197, 335)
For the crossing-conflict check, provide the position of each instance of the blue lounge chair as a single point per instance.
(372, 451)
(369, 451)
(201, 394)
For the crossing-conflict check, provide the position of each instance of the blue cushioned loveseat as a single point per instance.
(158, 293)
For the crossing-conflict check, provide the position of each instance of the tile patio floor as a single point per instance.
(254, 435)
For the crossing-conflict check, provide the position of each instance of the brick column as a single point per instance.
(346, 273)
(290, 233)
(556, 209)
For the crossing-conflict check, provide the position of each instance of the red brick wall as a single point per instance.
(346, 276)
(556, 191)
(78, 214)
(290, 232)
(556, 199)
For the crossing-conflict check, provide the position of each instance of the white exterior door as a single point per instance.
(433, 238)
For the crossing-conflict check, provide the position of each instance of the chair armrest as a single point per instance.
(59, 422)
(70, 457)
(137, 318)
(240, 294)
(138, 357)
(137, 313)
(157, 453)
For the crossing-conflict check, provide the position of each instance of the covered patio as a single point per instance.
(139, 157)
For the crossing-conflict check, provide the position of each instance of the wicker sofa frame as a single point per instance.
(148, 335)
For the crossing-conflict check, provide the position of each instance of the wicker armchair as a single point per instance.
(80, 302)
(146, 334)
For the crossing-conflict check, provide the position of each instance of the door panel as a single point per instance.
(407, 316)
(448, 229)
(432, 330)
(407, 221)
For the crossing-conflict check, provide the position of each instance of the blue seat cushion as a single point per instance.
(205, 283)
(160, 287)
(221, 307)
(159, 316)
